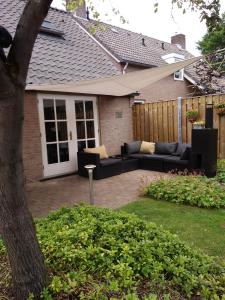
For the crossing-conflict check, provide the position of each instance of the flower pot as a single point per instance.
(192, 120)
(220, 111)
(197, 126)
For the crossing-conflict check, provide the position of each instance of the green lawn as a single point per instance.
(200, 228)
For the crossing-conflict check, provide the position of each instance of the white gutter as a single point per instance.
(191, 80)
(125, 67)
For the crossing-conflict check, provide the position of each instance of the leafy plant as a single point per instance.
(220, 108)
(200, 122)
(193, 190)
(220, 105)
(192, 115)
(221, 171)
(113, 252)
(95, 253)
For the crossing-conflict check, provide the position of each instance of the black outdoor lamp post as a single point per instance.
(90, 169)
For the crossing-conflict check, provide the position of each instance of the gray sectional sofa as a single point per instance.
(167, 156)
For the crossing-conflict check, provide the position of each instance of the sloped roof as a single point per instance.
(127, 45)
(71, 58)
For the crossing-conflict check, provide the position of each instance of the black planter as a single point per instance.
(204, 150)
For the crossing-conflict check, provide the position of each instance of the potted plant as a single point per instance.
(220, 108)
(192, 115)
(199, 124)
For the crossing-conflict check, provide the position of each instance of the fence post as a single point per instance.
(179, 119)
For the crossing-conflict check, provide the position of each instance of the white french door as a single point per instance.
(68, 124)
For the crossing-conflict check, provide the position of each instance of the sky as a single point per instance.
(161, 25)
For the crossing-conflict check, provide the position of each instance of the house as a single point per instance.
(131, 51)
(59, 122)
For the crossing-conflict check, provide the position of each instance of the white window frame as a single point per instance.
(67, 167)
(173, 58)
(180, 74)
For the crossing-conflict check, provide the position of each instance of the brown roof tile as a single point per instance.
(55, 59)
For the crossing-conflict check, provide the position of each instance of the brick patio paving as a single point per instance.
(112, 192)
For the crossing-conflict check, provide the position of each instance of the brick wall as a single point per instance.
(166, 88)
(115, 120)
(31, 139)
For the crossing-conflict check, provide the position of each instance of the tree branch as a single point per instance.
(27, 30)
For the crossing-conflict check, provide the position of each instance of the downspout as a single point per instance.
(125, 67)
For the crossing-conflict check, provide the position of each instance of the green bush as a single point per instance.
(221, 171)
(92, 249)
(193, 190)
(94, 253)
(2, 249)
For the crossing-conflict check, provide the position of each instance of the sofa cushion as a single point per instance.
(185, 155)
(137, 155)
(133, 147)
(181, 149)
(176, 160)
(165, 148)
(98, 150)
(109, 161)
(147, 147)
(156, 156)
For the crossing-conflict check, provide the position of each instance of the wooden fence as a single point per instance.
(158, 121)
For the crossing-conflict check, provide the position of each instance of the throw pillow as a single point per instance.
(133, 147)
(147, 147)
(165, 148)
(181, 148)
(185, 155)
(98, 150)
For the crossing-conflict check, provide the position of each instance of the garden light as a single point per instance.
(90, 169)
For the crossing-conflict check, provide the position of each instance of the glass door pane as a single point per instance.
(85, 124)
(56, 131)
(89, 110)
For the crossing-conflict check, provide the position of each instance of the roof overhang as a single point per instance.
(118, 85)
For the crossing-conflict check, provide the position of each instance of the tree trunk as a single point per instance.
(16, 224)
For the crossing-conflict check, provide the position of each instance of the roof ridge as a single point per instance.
(128, 30)
(60, 10)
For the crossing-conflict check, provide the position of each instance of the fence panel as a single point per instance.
(158, 121)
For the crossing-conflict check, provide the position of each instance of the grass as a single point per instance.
(203, 229)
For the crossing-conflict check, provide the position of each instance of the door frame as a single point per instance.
(71, 128)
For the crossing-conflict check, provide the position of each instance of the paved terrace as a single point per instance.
(113, 192)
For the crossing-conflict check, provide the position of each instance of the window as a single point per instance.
(49, 28)
(173, 58)
(179, 75)
(85, 121)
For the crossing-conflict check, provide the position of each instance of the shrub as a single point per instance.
(2, 248)
(221, 171)
(85, 245)
(193, 190)
(94, 253)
